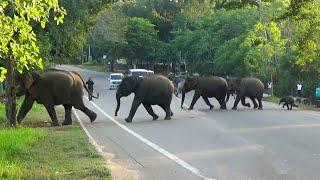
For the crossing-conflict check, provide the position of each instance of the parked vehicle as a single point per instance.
(137, 72)
(114, 80)
(149, 72)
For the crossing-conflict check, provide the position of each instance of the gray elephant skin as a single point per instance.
(50, 88)
(206, 87)
(148, 90)
(288, 100)
(247, 87)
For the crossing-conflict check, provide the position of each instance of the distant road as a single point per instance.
(245, 144)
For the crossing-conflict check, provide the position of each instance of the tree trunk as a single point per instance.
(11, 103)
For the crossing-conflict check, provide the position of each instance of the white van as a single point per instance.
(115, 80)
(137, 72)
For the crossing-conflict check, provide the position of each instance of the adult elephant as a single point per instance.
(50, 88)
(148, 90)
(206, 87)
(247, 87)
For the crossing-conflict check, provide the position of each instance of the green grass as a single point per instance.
(38, 151)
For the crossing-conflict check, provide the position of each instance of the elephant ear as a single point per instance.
(30, 79)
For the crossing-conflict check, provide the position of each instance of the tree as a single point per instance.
(18, 42)
(141, 40)
(107, 35)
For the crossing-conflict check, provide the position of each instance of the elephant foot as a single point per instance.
(211, 107)
(167, 118)
(260, 108)
(255, 107)
(234, 108)
(223, 107)
(128, 120)
(93, 117)
(248, 105)
(55, 123)
(154, 118)
(171, 113)
(190, 108)
(65, 123)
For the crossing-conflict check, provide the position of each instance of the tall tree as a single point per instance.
(18, 42)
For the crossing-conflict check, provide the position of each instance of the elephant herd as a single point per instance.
(158, 90)
(56, 87)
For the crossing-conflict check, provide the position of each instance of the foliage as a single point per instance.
(18, 40)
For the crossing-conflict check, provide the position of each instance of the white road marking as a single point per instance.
(149, 143)
(91, 140)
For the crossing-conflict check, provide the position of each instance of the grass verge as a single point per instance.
(44, 152)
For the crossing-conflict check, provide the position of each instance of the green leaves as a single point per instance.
(17, 40)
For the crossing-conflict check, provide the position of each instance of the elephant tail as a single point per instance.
(85, 86)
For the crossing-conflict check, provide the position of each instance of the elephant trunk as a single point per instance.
(183, 96)
(118, 96)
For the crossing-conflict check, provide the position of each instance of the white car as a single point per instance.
(138, 72)
(149, 72)
(114, 80)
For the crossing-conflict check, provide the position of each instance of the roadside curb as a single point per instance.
(117, 172)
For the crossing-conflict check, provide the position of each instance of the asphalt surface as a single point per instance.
(220, 144)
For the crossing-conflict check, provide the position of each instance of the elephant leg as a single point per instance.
(150, 111)
(52, 112)
(135, 104)
(288, 107)
(169, 112)
(194, 99)
(291, 106)
(25, 108)
(236, 102)
(207, 102)
(92, 115)
(255, 104)
(222, 103)
(67, 116)
(260, 103)
(284, 105)
(243, 102)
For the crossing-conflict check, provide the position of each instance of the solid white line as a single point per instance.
(153, 145)
(91, 140)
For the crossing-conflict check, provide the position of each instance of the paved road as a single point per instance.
(243, 144)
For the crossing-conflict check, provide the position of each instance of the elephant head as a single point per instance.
(189, 84)
(25, 81)
(234, 85)
(128, 85)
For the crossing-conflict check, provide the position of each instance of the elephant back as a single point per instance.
(213, 85)
(156, 83)
(252, 86)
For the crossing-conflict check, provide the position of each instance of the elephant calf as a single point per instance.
(247, 87)
(53, 87)
(148, 90)
(288, 100)
(206, 87)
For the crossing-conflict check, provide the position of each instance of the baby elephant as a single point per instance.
(288, 100)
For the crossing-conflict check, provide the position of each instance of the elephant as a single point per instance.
(288, 100)
(206, 87)
(247, 87)
(148, 90)
(50, 88)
